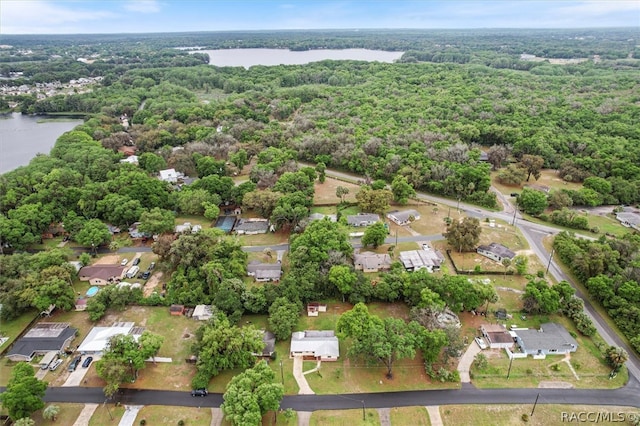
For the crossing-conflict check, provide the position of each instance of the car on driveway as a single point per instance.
(199, 392)
(56, 364)
(87, 362)
(480, 341)
(146, 275)
(124, 262)
(74, 363)
(136, 261)
(153, 265)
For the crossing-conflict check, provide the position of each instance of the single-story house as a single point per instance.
(98, 338)
(187, 227)
(404, 217)
(630, 219)
(113, 229)
(251, 226)
(320, 345)
(42, 338)
(371, 262)
(102, 274)
(362, 219)
(538, 187)
(550, 339)
(169, 175)
(497, 336)
(132, 159)
(320, 216)
(269, 340)
(314, 308)
(263, 272)
(495, 251)
(176, 310)
(430, 259)
(135, 233)
(202, 313)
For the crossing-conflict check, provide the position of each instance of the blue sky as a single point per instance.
(136, 16)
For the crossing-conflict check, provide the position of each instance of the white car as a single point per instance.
(124, 262)
(480, 341)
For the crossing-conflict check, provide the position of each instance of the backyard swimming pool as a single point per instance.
(92, 291)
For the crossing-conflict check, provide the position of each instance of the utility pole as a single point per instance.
(534, 405)
(363, 414)
(550, 259)
(509, 371)
(107, 407)
(281, 372)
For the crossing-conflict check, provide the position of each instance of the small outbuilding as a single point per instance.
(202, 313)
(176, 310)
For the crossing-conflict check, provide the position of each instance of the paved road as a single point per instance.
(468, 394)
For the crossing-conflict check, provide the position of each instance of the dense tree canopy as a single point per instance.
(24, 392)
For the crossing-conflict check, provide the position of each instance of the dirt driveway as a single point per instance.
(152, 283)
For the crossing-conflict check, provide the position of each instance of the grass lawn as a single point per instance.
(106, 415)
(432, 217)
(508, 415)
(12, 329)
(169, 415)
(417, 416)
(268, 239)
(345, 417)
(607, 225)
(194, 220)
(67, 415)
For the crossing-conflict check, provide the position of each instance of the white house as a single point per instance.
(362, 219)
(495, 251)
(404, 217)
(98, 338)
(320, 345)
(550, 339)
(413, 260)
(169, 175)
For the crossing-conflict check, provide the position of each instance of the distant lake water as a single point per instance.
(24, 136)
(250, 57)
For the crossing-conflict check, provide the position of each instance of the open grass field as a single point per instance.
(507, 415)
(416, 416)
(548, 178)
(345, 417)
(325, 193)
(164, 415)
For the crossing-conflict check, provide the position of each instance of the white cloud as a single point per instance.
(144, 6)
(36, 16)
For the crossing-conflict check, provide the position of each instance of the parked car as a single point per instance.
(124, 262)
(153, 265)
(56, 364)
(199, 392)
(87, 362)
(74, 363)
(136, 261)
(146, 275)
(480, 341)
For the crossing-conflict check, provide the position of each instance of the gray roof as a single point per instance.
(43, 337)
(356, 219)
(265, 270)
(269, 340)
(403, 216)
(322, 343)
(498, 249)
(252, 225)
(417, 259)
(370, 260)
(550, 336)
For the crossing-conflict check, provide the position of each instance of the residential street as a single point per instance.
(468, 394)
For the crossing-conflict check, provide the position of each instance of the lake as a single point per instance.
(250, 57)
(24, 136)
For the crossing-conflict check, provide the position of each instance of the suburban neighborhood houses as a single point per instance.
(393, 242)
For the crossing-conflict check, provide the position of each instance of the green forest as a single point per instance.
(455, 107)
